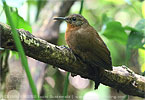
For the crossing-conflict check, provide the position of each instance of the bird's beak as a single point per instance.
(60, 18)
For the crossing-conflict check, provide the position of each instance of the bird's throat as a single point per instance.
(72, 27)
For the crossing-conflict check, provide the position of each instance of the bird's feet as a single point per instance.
(65, 47)
(73, 74)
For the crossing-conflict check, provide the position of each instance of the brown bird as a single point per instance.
(85, 42)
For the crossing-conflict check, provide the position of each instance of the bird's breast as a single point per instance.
(77, 38)
(71, 37)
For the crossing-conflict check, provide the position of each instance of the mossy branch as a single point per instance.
(121, 78)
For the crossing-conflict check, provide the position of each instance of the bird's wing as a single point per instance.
(101, 54)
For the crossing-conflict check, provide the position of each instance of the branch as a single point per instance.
(121, 78)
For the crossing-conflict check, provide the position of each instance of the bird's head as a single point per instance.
(74, 20)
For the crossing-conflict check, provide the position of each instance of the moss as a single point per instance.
(27, 40)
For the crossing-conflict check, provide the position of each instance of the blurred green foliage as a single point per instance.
(136, 38)
(115, 31)
(20, 23)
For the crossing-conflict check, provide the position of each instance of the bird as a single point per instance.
(85, 43)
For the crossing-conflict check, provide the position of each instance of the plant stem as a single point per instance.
(66, 86)
(20, 51)
(81, 8)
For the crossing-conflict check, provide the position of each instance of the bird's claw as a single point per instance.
(73, 74)
(65, 47)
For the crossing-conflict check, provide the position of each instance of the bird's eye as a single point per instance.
(73, 19)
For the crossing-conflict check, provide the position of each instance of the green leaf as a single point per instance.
(20, 22)
(129, 28)
(136, 40)
(115, 31)
(141, 25)
(106, 19)
(136, 37)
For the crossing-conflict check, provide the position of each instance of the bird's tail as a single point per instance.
(98, 73)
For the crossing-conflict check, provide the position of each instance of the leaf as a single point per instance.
(129, 28)
(115, 31)
(136, 37)
(19, 22)
(141, 25)
(106, 19)
(136, 40)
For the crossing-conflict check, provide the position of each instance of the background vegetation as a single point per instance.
(120, 23)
